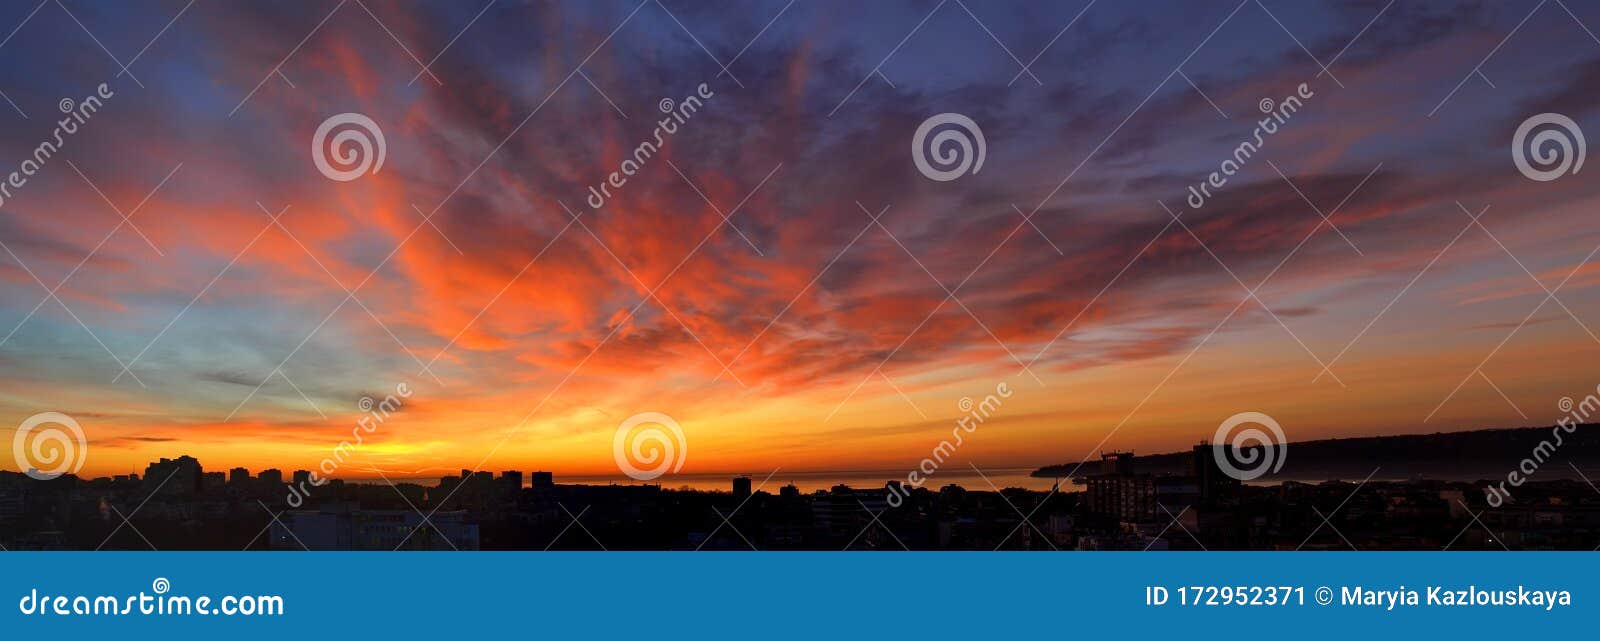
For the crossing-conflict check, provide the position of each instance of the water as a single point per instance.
(807, 481)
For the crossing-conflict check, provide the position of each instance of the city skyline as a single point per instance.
(1457, 456)
(1192, 502)
(779, 276)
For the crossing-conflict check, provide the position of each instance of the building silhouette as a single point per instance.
(212, 483)
(1125, 505)
(174, 477)
(1119, 493)
(1213, 484)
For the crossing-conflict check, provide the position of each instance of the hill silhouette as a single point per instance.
(1470, 455)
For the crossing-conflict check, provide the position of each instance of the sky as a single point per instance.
(780, 278)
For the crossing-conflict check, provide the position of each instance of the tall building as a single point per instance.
(271, 477)
(1117, 492)
(510, 486)
(239, 476)
(447, 485)
(213, 482)
(471, 490)
(302, 478)
(1116, 463)
(741, 487)
(1214, 484)
(482, 485)
(174, 477)
(840, 513)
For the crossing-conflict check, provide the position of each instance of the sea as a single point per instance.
(807, 481)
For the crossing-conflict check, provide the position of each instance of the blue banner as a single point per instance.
(661, 595)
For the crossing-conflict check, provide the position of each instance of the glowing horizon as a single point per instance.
(812, 328)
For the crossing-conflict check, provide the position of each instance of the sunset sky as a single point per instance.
(1114, 325)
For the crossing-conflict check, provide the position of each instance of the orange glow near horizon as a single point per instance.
(777, 275)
